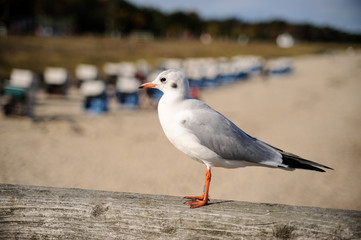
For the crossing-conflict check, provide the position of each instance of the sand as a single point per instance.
(314, 112)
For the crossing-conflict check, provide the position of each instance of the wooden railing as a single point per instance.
(28, 212)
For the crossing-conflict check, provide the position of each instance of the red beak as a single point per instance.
(148, 85)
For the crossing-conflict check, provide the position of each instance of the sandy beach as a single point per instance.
(314, 112)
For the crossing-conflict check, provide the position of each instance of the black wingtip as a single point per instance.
(328, 168)
(295, 162)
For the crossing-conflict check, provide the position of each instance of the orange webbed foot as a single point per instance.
(193, 198)
(197, 203)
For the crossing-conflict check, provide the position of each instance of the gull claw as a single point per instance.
(194, 197)
(196, 201)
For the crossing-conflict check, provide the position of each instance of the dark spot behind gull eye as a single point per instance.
(174, 85)
(163, 80)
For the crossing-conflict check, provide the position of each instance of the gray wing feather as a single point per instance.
(223, 137)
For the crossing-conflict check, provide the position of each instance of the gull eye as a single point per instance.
(163, 80)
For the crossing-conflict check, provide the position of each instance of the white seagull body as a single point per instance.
(207, 136)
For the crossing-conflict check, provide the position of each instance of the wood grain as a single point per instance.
(29, 212)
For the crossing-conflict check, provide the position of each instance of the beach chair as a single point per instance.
(279, 67)
(112, 71)
(127, 92)
(95, 97)
(56, 80)
(20, 93)
(86, 72)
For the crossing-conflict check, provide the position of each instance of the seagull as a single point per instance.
(207, 136)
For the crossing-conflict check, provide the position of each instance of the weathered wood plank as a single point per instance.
(28, 212)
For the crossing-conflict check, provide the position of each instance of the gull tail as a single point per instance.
(292, 161)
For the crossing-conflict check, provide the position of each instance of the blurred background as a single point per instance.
(287, 72)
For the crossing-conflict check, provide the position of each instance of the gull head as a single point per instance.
(170, 82)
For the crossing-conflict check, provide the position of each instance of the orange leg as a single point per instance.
(202, 200)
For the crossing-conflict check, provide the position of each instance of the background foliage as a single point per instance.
(121, 18)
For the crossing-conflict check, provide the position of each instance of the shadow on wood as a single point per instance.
(28, 212)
